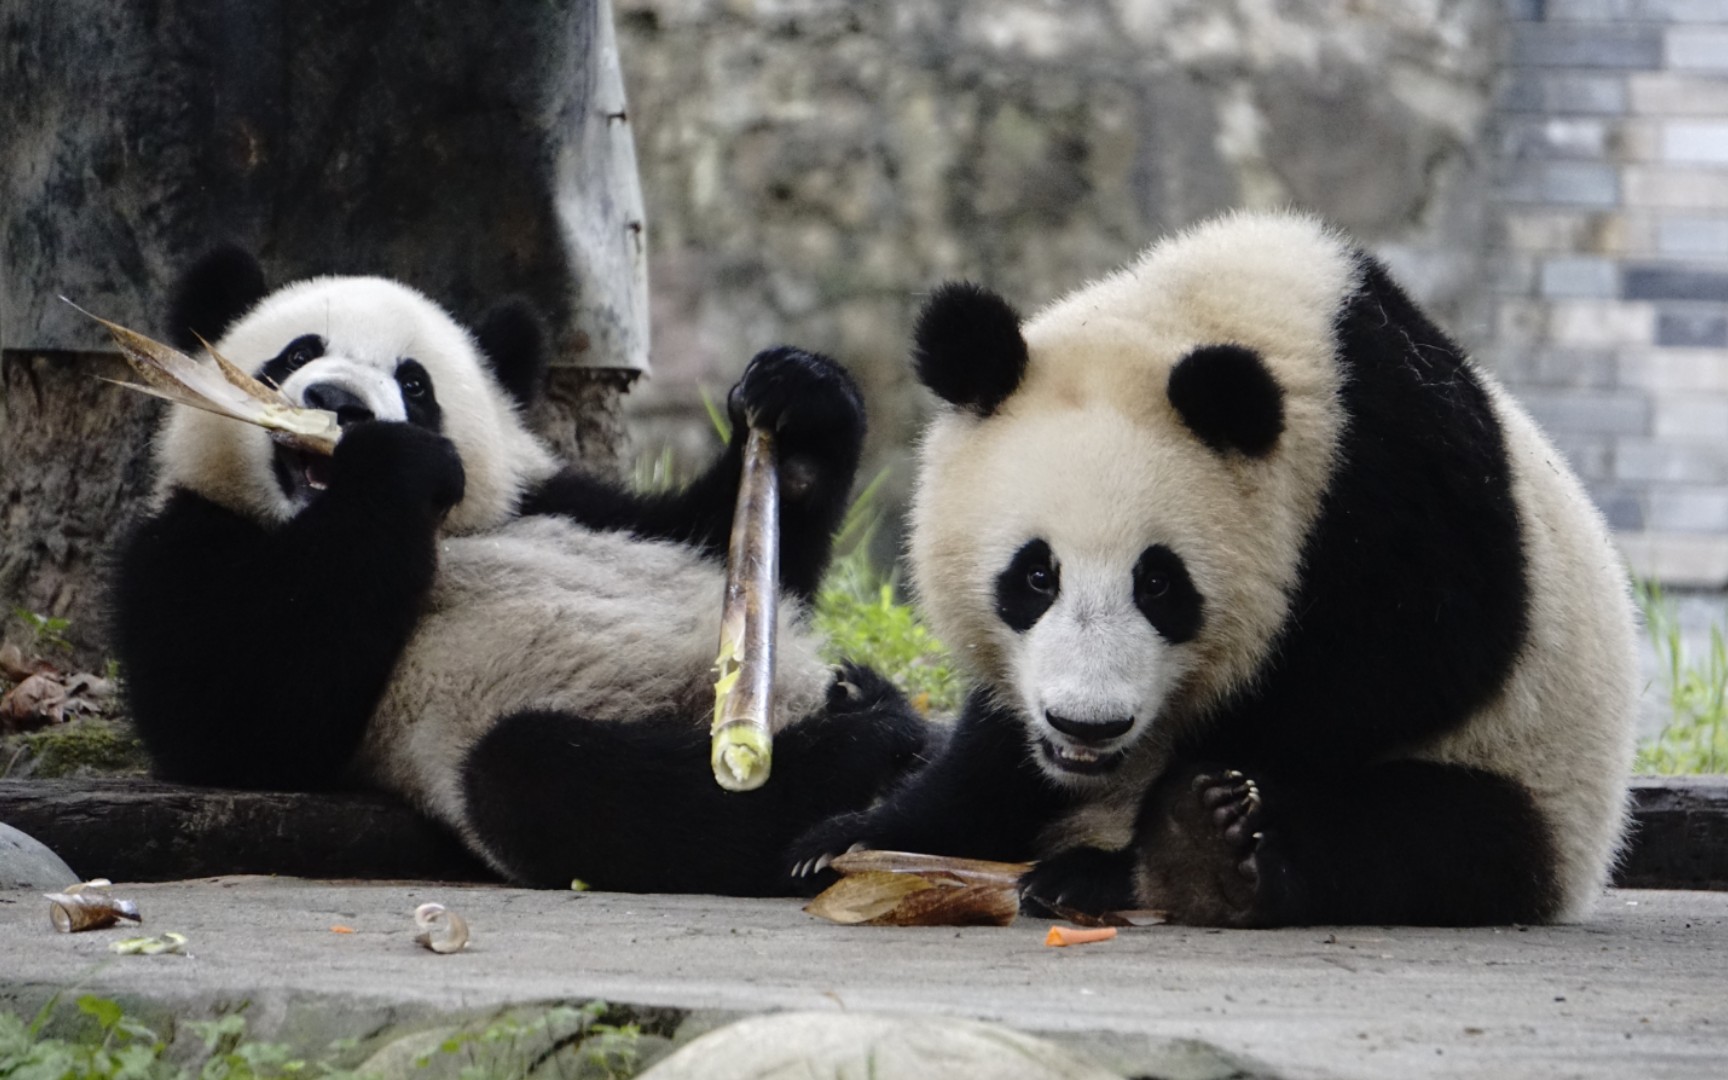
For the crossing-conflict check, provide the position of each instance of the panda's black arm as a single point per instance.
(982, 797)
(254, 657)
(817, 416)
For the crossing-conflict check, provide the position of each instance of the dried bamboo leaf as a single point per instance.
(940, 869)
(887, 898)
(220, 388)
(741, 741)
(863, 898)
(955, 905)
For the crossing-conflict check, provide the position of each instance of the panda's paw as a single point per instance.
(813, 408)
(1200, 849)
(809, 858)
(1087, 880)
(385, 461)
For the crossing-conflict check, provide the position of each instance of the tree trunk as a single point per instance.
(475, 154)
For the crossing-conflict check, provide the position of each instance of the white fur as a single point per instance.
(369, 324)
(546, 614)
(1089, 454)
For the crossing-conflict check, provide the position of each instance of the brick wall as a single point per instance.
(1612, 254)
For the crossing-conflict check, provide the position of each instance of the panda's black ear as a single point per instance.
(1226, 396)
(967, 347)
(212, 295)
(514, 342)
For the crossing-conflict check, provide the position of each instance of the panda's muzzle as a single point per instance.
(302, 475)
(1086, 745)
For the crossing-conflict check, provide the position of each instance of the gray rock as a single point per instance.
(27, 863)
(862, 1044)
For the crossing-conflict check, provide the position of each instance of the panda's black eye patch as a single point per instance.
(294, 356)
(1166, 595)
(1027, 586)
(418, 399)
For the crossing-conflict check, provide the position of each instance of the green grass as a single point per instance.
(1695, 739)
(105, 1043)
(861, 613)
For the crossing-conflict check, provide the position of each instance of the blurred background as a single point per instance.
(1550, 177)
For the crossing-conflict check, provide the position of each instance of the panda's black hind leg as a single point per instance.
(632, 806)
(1199, 848)
(1403, 842)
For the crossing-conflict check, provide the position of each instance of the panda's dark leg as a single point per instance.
(982, 797)
(813, 408)
(254, 656)
(633, 806)
(1406, 842)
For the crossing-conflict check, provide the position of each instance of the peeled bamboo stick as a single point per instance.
(742, 743)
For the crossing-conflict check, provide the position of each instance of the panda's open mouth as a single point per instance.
(1080, 760)
(301, 476)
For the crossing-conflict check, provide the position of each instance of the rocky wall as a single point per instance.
(811, 167)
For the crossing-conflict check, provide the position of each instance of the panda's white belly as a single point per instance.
(546, 614)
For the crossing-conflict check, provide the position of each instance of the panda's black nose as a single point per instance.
(1089, 731)
(336, 398)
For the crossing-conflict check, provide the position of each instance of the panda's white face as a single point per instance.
(364, 349)
(1110, 563)
(1082, 612)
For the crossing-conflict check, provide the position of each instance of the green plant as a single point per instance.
(48, 630)
(1695, 738)
(573, 1040)
(576, 1042)
(861, 617)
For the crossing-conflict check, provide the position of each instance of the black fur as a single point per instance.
(1166, 595)
(294, 356)
(981, 797)
(633, 807)
(1027, 586)
(216, 291)
(1406, 842)
(967, 347)
(1227, 397)
(514, 342)
(813, 408)
(1409, 616)
(253, 655)
(256, 654)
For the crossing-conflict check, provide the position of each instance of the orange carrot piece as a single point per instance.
(1069, 935)
(341, 929)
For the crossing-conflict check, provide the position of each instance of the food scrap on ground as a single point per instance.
(169, 943)
(441, 930)
(1061, 936)
(87, 906)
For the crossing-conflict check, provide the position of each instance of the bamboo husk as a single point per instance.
(219, 387)
(741, 741)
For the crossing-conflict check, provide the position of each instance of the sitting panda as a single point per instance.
(1281, 611)
(522, 652)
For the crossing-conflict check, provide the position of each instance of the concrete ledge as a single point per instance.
(144, 830)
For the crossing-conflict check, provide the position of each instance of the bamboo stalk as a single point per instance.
(741, 744)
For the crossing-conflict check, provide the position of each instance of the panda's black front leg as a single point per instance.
(1407, 842)
(982, 797)
(254, 655)
(812, 407)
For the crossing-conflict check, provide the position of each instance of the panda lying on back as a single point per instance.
(437, 610)
(1282, 611)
